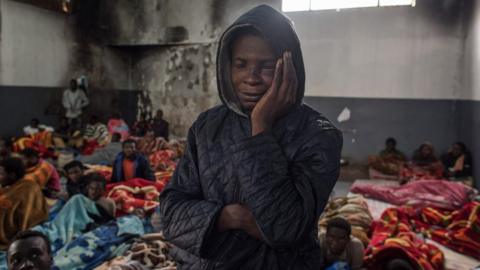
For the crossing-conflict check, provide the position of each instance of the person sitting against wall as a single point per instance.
(30, 250)
(71, 182)
(104, 155)
(388, 162)
(160, 126)
(22, 204)
(63, 133)
(41, 172)
(424, 165)
(339, 249)
(36, 127)
(458, 163)
(141, 126)
(130, 164)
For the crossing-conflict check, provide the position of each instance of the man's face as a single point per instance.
(74, 174)
(129, 149)
(29, 161)
(253, 68)
(29, 253)
(426, 151)
(34, 123)
(456, 150)
(337, 240)
(95, 190)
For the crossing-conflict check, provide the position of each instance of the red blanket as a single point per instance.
(436, 193)
(393, 237)
(134, 194)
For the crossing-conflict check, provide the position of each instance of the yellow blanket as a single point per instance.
(22, 206)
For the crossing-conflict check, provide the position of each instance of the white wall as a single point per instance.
(36, 46)
(472, 57)
(396, 52)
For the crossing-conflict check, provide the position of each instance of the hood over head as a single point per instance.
(277, 29)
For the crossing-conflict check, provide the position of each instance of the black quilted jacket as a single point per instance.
(284, 176)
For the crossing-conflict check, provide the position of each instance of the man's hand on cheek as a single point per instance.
(278, 98)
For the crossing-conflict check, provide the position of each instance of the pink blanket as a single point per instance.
(435, 193)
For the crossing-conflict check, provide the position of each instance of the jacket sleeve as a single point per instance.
(286, 198)
(187, 218)
(115, 177)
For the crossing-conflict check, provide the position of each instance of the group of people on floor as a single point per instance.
(391, 163)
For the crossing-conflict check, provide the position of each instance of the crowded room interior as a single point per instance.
(240, 134)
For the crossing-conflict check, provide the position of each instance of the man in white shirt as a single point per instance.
(74, 100)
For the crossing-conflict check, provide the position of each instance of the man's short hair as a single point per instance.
(128, 141)
(340, 223)
(391, 140)
(35, 120)
(73, 164)
(29, 153)
(29, 233)
(14, 165)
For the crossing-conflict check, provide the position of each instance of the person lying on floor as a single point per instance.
(130, 164)
(458, 162)
(104, 155)
(339, 248)
(30, 250)
(389, 160)
(95, 188)
(22, 204)
(41, 172)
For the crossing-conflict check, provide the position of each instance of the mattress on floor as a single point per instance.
(453, 259)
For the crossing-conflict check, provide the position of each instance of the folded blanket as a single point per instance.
(134, 194)
(422, 193)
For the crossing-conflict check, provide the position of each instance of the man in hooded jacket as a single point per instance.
(258, 170)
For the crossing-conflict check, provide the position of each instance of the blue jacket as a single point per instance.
(142, 168)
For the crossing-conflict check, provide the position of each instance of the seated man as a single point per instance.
(41, 172)
(74, 171)
(30, 250)
(389, 161)
(95, 187)
(106, 154)
(22, 204)
(338, 247)
(458, 162)
(130, 164)
(36, 127)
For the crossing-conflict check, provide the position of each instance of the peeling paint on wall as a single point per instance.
(180, 80)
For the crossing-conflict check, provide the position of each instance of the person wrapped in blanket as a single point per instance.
(339, 249)
(424, 165)
(41, 172)
(388, 162)
(458, 164)
(30, 250)
(131, 164)
(355, 210)
(22, 204)
(95, 135)
(104, 155)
